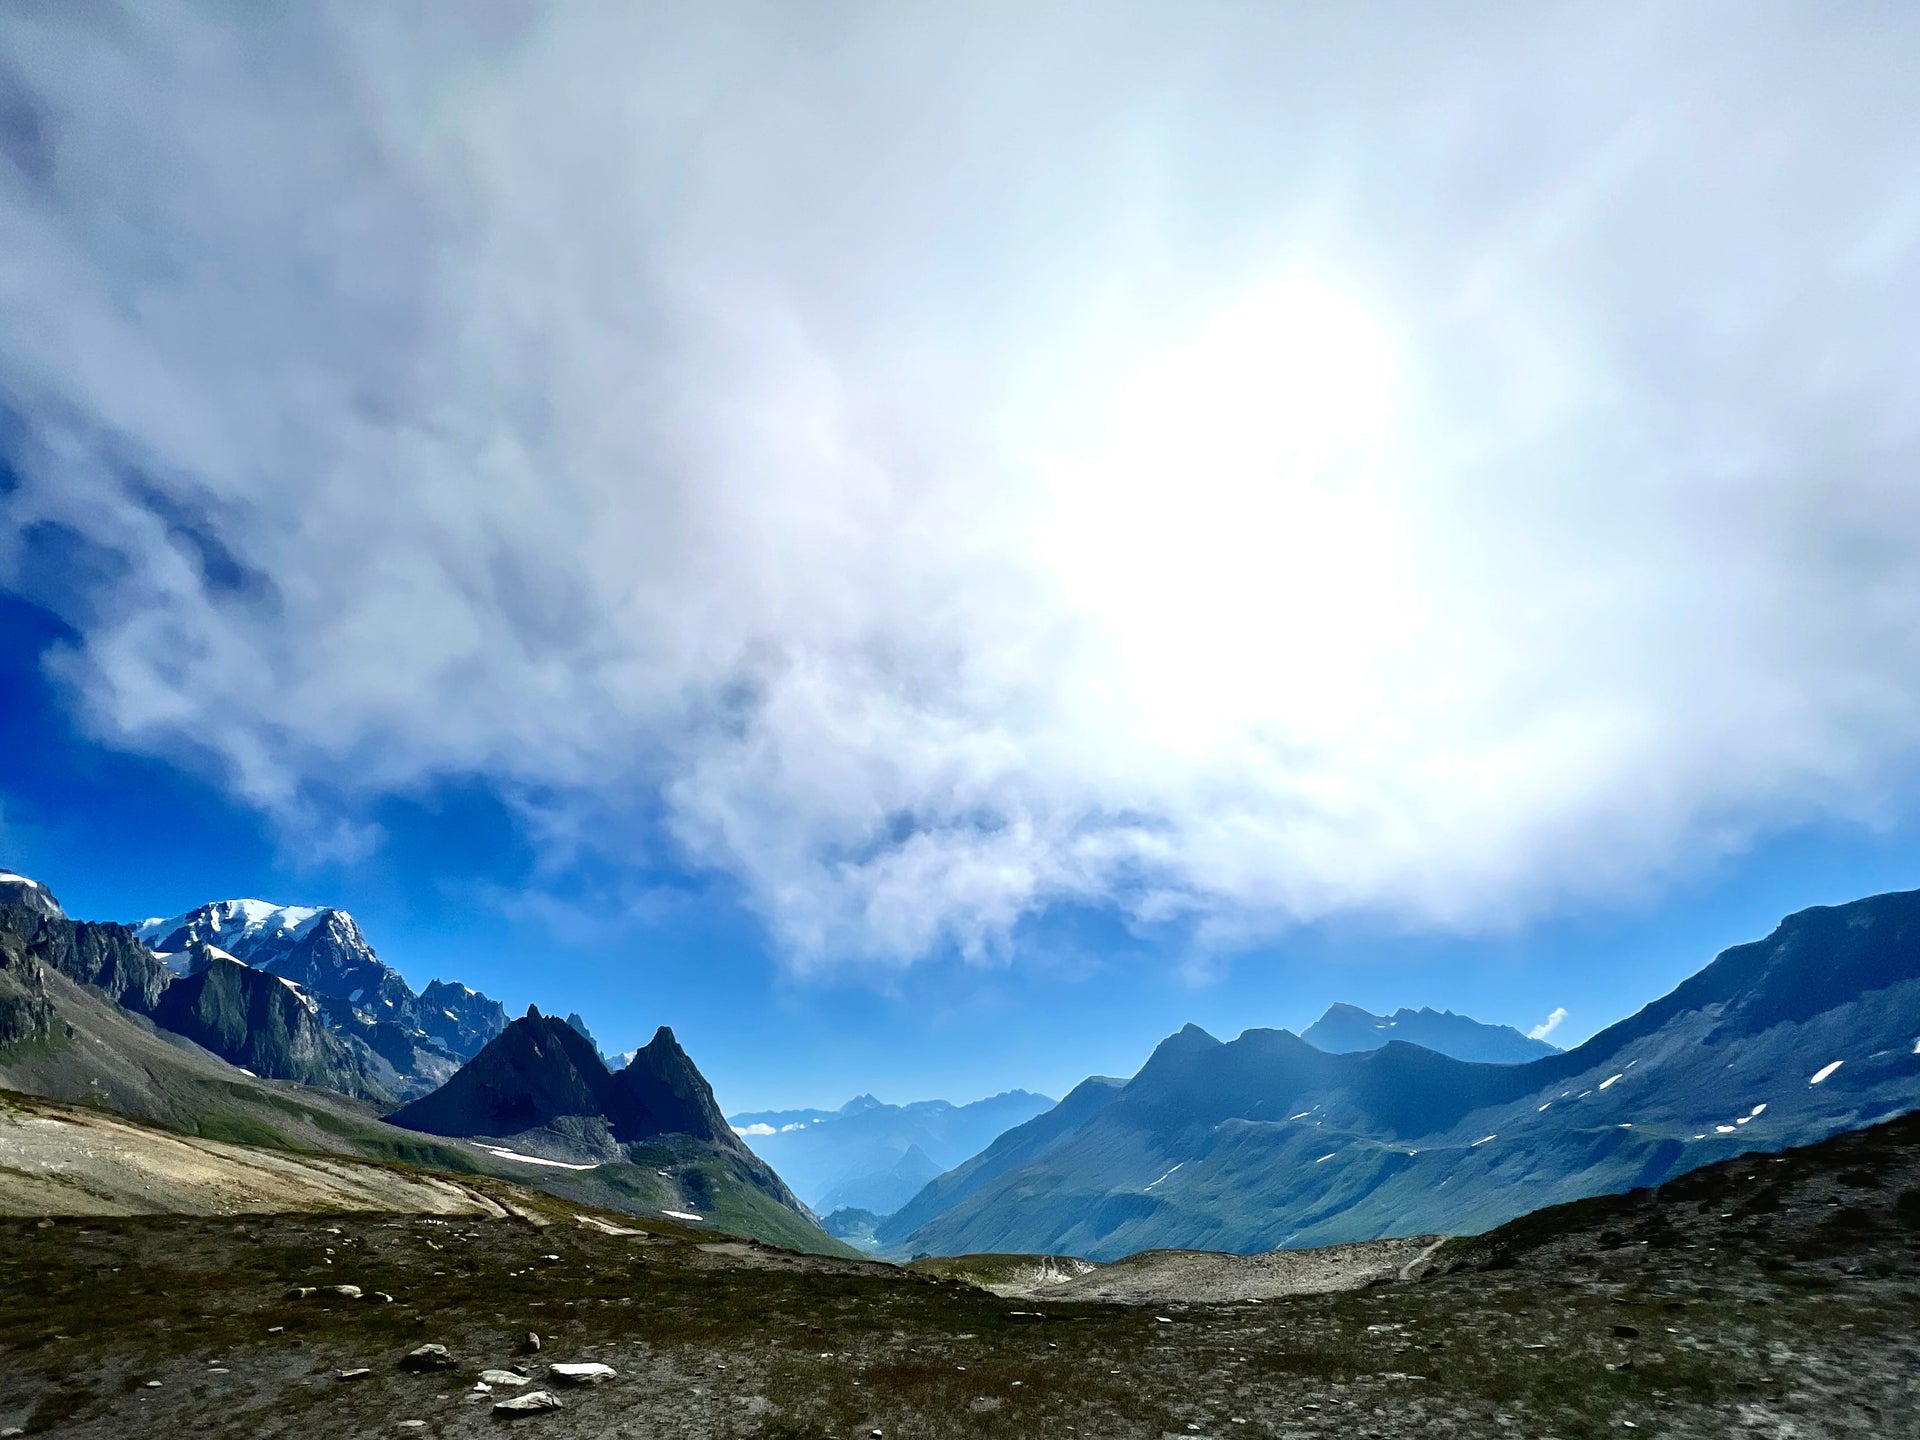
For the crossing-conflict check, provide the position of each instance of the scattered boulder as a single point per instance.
(503, 1377)
(529, 1404)
(427, 1357)
(357, 1373)
(533, 1342)
(345, 1292)
(300, 1292)
(590, 1372)
(1626, 1332)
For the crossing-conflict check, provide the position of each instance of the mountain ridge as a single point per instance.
(1345, 1028)
(1265, 1141)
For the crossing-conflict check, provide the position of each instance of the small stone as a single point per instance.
(300, 1292)
(427, 1357)
(1626, 1332)
(550, 1259)
(529, 1404)
(413, 1424)
(276, 1329)
(10, 1432)
(358, 1373)
(533, 1341)
(153, 1384)
(345, 1292)
(1163, 1319)
(381, 1297)
(503, 1377)
(590, 1372)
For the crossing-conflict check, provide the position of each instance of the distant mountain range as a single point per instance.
(279, 1026)
(1345, 1029)
(1266, 1141)
(873, 1156)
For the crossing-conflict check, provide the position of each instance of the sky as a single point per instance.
(927, 550)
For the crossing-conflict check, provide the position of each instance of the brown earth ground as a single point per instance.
(1771, 1296)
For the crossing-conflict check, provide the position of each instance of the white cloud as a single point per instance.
(759, 1127)
(934, 467)
(1547, 1026)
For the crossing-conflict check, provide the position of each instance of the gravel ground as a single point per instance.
(1781, 1299)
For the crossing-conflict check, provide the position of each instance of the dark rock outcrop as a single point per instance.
(261, 1023)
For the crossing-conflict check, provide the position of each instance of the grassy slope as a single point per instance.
(1735, 1333)
(1249, 1185)
(117, 1062)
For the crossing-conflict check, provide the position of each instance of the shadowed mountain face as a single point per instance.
(1346, 1028)
(541, 1071)
(413, 1042)
(541, 1088)
(460, 1017)
(105, 956)
(263, 1024)
(1266, 1141)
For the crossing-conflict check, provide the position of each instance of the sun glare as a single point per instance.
(1226, 534)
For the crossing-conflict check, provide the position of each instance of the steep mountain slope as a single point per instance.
(69, 1041)
(854, 1156)
(1346, 1028)
(92, 1051)
(647, 1137)
(419, 1039)
(1266, 1142)
(460, 1017)
(107, 957)
(1019, 1147)
(263, 1024)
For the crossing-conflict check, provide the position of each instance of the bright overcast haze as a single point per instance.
(926, 547)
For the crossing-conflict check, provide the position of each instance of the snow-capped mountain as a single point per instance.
(254, 930)
(318, 947)
(421, 1037)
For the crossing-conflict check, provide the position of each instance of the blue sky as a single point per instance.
(927, 553)
(118, 836)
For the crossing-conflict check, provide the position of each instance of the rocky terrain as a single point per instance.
(1769, 1296)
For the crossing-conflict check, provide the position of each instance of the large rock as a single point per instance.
(532, 1403)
